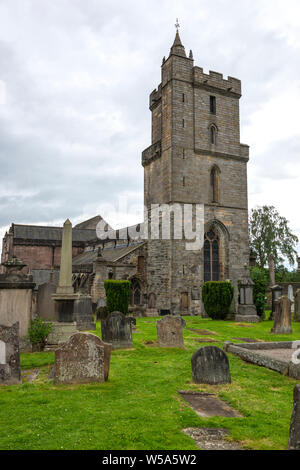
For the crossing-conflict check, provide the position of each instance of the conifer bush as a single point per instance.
(117, 295)
(217, 297)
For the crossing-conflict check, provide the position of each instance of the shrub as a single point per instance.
(259, 277)
(217, 297)
(117, 295)
(38, 331)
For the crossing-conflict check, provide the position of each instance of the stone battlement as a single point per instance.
(216, 80)
(151, 153)
(155, 97)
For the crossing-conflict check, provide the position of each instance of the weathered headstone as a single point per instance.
(83, 358)
(117, 330)
(276, 294)
(294, 440)
(297, 306)
(282, 316)
(210, 365)
(291, 296)
(247, 312)
(10, 372)
(169, 332)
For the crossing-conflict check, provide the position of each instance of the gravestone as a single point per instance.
(84, 358)
(247, 312)
(210, 365)
(276, 294)
(117, 330)
(291, 297)
(297, 306)
(294, 440)
(282, 316)
(45, 303)
(169, 332)
(10, 372)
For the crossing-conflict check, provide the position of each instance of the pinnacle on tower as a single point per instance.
(177, 48)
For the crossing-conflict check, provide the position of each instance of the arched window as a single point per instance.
(214, 185)
(213, 134)
(211, 256)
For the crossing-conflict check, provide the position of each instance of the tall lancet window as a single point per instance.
(214, 185)
(211, 256)
(213, 134)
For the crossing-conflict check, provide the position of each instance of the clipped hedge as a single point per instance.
(117, 295)
(217, 297)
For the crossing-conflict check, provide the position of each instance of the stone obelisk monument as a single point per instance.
(71, 306)
(65, 296)
(65, 273)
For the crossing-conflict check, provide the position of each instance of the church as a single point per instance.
(195, 158)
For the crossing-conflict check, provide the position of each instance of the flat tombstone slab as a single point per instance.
(169, 332)
(83, 358)
(207, 405)
(210, 365)
(10, 372)
(117, 330)
(294, 440)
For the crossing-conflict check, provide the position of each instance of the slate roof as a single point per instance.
(110, 254)
(36, 232)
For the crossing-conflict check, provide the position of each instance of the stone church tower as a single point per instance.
(196, 158)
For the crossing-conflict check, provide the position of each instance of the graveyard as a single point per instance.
(139, 406)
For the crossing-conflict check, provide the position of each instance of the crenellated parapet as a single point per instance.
(215, 80)
(245, 151)
(155, 98)
(151, 153)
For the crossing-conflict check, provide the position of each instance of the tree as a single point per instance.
(271, 239)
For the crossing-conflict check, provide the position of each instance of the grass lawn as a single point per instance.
(139, 407)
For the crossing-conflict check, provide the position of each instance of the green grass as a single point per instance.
(139, 407)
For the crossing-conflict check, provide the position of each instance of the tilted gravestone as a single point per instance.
(282, 316)
(169, 332)
(210, 365)
(297, 306)
(83, 358)
(10, 372)
(117, 330)
(294, 440)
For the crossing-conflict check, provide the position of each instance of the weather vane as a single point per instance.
(177, 25)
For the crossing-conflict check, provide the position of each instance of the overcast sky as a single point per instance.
(75, 78)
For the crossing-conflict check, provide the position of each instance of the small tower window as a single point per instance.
(212, 132)
(182, 122)
(183, 181)
(212, 102)
(183, 97)
(214, 185)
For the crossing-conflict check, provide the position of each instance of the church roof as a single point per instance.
(37, 232)
(109, 254)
